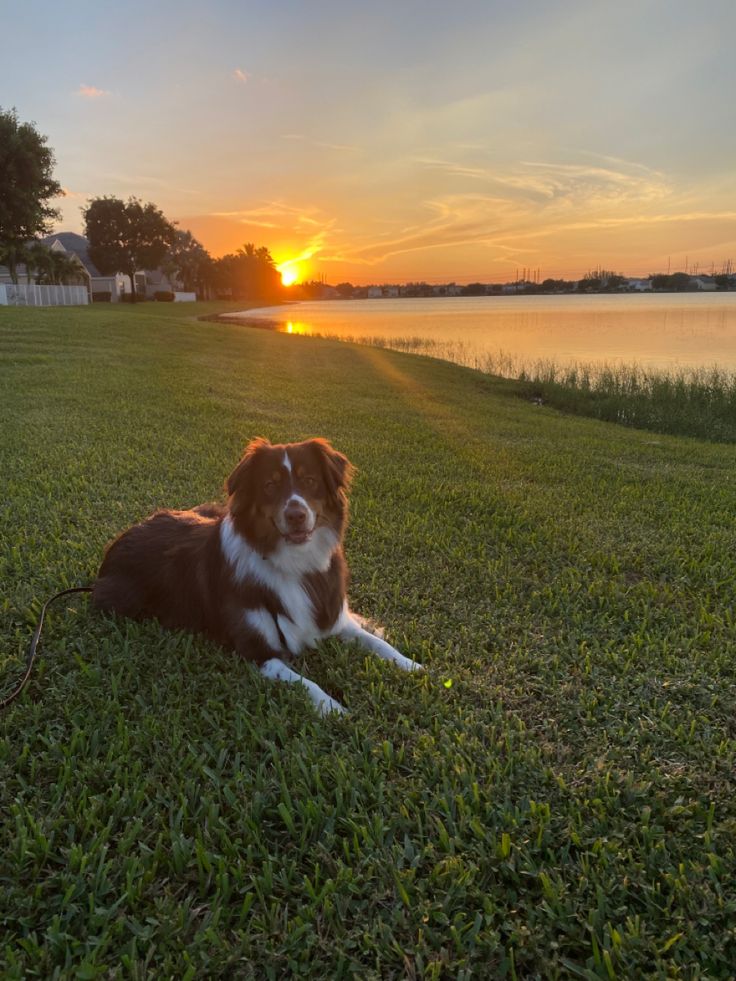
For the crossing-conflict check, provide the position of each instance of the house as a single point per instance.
(640, 285)
(378, 292)
(101, 288)
(705, 283)
(110, 288)
(106, 288)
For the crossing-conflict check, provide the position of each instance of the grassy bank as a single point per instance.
(697, 402)
(554, 798)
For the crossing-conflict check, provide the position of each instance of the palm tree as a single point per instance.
(66, 268)
(259, 254)
(39, 260)
(12, 255)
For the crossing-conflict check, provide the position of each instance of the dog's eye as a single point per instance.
(311, 482)
(269, 486)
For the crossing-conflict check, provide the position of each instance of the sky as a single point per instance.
(397, 141)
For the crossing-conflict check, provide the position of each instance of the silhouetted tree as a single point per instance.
(26, 186)
(601, 280)
(126, 236)
(556, 286)
(248, 273)
(679, 282)
(190, 262)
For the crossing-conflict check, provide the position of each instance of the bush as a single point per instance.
(164, 296)
(102, 297)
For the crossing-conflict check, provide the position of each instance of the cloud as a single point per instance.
(273, 214)
(550, 182)
(241, 76)
(341, 147)
(471, 203)
(91, 92)
(67, 192)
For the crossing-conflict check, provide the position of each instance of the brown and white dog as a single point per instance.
(264, 575)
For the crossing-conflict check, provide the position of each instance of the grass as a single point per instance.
(697, 402)
(554, 798)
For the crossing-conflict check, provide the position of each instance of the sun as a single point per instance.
(289, 272)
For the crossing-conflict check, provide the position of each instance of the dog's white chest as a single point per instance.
(296, 623)
(282, 574)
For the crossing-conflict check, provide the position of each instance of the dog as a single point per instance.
(264, 575)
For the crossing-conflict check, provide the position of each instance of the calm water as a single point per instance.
(663, 331)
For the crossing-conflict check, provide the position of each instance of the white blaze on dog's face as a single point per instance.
(294, 517)
(284, 493)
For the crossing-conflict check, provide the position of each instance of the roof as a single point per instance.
(76, 244)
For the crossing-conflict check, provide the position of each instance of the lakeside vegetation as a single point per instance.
(698, 402)
(554, 797)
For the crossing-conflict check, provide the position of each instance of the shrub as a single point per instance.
(102, 297)
(164, 296)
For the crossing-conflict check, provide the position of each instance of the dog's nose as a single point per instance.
(295, 514)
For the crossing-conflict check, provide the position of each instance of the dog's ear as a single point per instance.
(337, 470)
(238, 479)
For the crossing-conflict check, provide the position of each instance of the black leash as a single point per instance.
(34, 643)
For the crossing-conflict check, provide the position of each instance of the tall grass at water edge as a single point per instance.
(681, 401)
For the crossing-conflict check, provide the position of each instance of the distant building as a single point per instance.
(640, 285)
(101, 288)
(77, 246)
(706, 283)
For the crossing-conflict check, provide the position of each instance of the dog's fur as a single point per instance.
(264, 575)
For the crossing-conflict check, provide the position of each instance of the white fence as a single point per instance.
(30, 295)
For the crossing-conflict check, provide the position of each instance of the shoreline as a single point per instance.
(685, 401)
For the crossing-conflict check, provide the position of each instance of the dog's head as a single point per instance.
(286, 493)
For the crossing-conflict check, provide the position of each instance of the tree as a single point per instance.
(39, 262)
(12, 255)
(679, 282)
(248, 273)
(26, 187)
(189, 261)
(126, 236)
(601, 280)
(66, 269)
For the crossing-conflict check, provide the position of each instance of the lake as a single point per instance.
(660, 331)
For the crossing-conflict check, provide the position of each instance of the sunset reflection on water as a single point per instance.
(660, 331)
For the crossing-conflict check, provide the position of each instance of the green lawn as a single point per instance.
(554, 798)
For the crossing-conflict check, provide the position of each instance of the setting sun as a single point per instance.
(289, 273)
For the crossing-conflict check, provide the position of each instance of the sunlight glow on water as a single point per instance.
(662, 331)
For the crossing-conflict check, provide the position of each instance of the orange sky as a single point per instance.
(413, 141)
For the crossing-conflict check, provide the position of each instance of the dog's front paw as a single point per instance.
(406, 663)
(326, 704)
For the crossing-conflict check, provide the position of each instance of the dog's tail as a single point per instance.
(20, 685)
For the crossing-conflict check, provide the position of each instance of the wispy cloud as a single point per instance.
(555, 181)
(467, 202)
(91, 92)
(67, 192)
(341, 147)
(241, 76)
(274, 214)
(519, 206)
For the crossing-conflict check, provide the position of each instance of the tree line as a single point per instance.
(124, 236)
